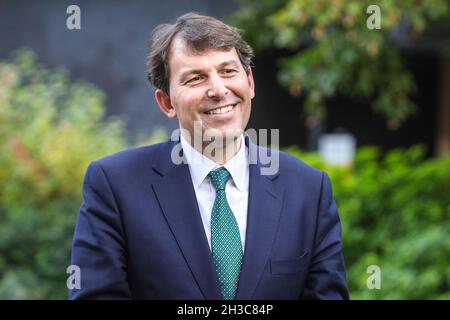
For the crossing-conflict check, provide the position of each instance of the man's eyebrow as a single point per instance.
(232, 63)
(187, 73)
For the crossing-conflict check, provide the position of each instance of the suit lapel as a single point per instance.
(178, 201)
(264, 206)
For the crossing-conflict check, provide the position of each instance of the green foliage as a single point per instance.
(395, 213)
(394, 209)
(334, 52)
(50, 129)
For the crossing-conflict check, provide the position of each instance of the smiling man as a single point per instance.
(213, 226)
(213, 90)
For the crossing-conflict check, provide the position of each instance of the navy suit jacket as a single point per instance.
(139, 234)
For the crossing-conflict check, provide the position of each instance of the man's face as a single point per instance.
(211, 87)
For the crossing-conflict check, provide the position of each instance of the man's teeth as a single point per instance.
(221, 110)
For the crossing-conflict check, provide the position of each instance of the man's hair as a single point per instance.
(200, 33)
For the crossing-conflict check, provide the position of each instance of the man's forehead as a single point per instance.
(181, 53)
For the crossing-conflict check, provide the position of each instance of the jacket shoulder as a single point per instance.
(294, 166)
(132, 159)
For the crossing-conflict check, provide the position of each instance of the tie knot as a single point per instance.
(219, 178)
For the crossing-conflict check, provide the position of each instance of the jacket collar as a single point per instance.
(176, 196)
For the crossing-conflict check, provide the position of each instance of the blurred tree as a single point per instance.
(395, 209)
(333, 50)
(50, 129)
(395, 213)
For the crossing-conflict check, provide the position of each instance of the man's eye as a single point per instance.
(194, 79)
(229, 71)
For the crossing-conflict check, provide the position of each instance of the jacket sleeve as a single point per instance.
(326, 278)
(99, 244)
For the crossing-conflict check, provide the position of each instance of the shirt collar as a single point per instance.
(200, 166)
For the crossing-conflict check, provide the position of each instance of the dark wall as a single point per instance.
(274, 108)
(109, 50)
(371, 128)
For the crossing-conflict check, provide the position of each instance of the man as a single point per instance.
(211, 226)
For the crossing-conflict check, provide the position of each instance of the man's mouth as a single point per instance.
(222, 110)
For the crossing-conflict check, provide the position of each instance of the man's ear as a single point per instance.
(165, 104)
(251, 82)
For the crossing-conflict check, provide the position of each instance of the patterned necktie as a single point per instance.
(225, 238)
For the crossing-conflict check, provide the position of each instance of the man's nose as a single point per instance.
(217, 89)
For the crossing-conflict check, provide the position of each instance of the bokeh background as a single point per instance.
(369, 106)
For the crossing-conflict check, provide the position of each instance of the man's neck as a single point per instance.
(222, 154)
(219, 151)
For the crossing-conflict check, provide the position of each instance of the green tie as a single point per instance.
(225, 238)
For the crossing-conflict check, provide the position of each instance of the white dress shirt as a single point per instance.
(236, 188)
